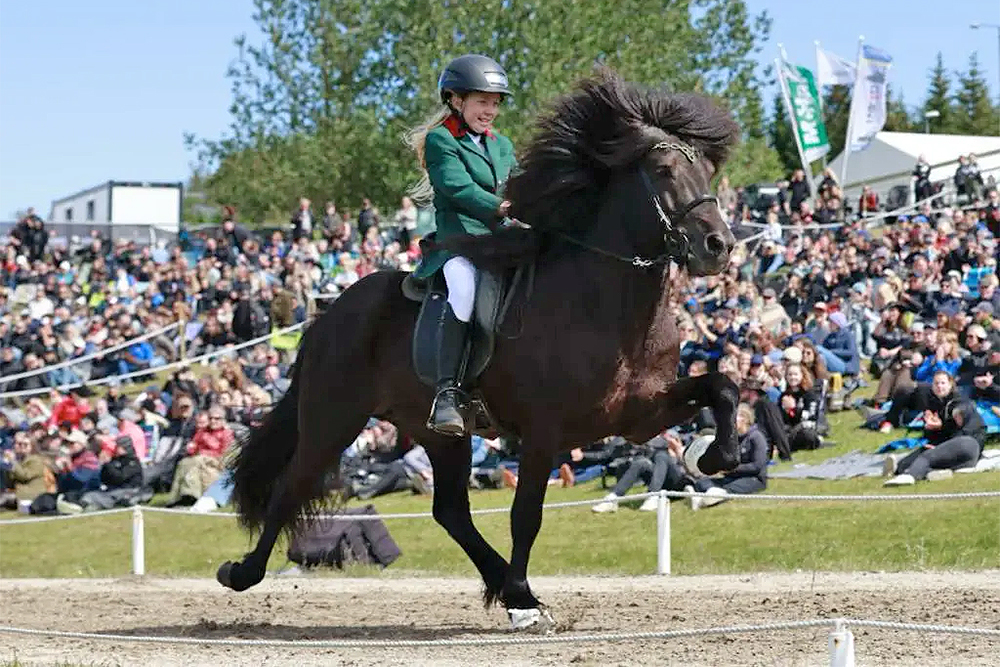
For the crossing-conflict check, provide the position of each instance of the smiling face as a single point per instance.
(478, 109)
(793, 375)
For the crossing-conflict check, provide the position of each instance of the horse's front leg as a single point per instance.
(525, 521)
(715, 391)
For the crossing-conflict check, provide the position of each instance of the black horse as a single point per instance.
(614, 188)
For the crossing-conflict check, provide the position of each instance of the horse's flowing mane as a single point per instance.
(603, 125)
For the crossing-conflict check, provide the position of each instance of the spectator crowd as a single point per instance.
(820, 300)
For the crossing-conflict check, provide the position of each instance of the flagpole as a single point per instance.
(850, 119)
(819, 89)
(779, 63)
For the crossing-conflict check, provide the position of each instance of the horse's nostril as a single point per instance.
(716, 245)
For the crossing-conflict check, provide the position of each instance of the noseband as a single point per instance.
(675, 240)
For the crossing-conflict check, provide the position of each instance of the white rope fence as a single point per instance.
(840, 644)
(93, 355)
(513, 639)
(868, 220)
(159, 369)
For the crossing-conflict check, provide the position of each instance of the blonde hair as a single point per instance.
(951, 338)
(422, 192)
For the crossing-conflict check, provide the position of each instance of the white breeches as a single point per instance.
(460, 276)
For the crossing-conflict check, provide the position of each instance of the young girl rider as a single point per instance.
(466, 164)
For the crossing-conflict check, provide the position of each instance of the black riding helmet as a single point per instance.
(472, 72)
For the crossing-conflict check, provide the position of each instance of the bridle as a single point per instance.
(675, 240)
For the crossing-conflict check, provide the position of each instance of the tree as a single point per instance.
(320, 104)
(195, 207)
(781, 138)
(975, 113)
(939, 99)
(897, 117)
(753, 161)
(836, 112)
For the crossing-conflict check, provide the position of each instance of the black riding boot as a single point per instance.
(446, 413)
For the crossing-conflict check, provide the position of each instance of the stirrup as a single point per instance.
(454, 426)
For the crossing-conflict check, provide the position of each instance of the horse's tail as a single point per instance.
(264, 454)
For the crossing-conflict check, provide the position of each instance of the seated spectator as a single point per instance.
(890, 337)
(868, 201)
(71, 408)
(138, 357)
(203, 463)
(128, 424)
(975, 369)
(30, 473)
(658, 466)
(800, 410)
(755, 387)
(123, 470)
(274, 384)
(380, 462)
(80, 470)
(955, 435)
(946, 358)
(121, 478)
(839, 349)
(10, 425)
(812, 361)
(773, 315)
(490, 461)
(750, 476)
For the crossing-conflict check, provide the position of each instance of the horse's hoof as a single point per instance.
(224, 575)
(694, 452)
(538, 620)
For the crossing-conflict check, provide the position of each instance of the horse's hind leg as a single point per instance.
(451, 460)
(324, 432)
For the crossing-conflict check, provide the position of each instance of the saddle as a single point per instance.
(493, 299)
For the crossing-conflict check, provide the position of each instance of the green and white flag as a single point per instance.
(806, 111)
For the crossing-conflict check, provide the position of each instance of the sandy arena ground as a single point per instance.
(411, 608)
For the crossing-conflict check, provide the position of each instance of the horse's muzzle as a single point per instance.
(711, 256)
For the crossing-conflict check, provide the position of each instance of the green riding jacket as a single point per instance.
(466, 180)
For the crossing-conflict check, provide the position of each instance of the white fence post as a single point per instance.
(841, 646)
(662, 534)
(138, 543)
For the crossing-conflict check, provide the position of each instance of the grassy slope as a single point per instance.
(734, 537)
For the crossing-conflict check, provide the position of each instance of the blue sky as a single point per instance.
(106, 89)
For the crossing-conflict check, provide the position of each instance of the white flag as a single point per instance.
(832, 70)
(868, 103)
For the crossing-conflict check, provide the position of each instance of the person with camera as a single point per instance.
(890, 337)
(922, 179)
(954, 431)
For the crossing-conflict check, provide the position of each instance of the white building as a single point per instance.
(118, 203)
(889, 159)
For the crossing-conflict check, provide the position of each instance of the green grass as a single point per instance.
(742, 536)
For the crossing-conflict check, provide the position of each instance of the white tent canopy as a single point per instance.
(889, 159)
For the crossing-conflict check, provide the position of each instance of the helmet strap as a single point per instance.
(461, 121)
